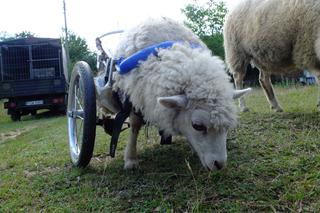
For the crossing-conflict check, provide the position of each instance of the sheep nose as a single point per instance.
(219, 164)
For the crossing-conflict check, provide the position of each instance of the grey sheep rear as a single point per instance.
(276, 36)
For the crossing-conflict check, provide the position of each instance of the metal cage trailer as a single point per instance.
(32, 76)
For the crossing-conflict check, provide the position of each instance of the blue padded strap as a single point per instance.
(125, 65)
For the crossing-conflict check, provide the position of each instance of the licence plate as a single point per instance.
(32, 103)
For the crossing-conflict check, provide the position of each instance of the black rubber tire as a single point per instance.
(82, 73)
(15, 116)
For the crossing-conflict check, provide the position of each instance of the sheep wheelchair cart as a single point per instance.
(82, 113)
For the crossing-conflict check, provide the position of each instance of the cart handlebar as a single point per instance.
(110, 33)
(105, 53)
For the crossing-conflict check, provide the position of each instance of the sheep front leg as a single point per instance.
(317, 75)
(238, 81)
(130, 155)
(265, 82)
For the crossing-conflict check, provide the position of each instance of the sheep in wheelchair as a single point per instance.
(163, 75)
(181, 88)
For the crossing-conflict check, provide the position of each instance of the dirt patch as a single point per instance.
(44, 172)
(13, 134)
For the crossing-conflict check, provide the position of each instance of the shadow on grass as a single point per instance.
(162, 177)
(266, 170)
(43, 114)
(153, 159)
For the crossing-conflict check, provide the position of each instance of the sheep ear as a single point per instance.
(174, 102)
(239, 93)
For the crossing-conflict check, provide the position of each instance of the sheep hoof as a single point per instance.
(277, 109)
(131, 164)
(244, 109)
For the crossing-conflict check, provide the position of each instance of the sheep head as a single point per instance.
(205, 130)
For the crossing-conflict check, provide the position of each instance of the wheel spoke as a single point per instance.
(79, 103)
(75, 98)
(80, 96)
(77, 113)
(79, 135)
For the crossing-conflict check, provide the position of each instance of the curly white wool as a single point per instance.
(193, 72)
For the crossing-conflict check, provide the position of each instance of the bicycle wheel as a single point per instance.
(81, 113)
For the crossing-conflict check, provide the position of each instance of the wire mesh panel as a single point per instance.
(31, 66)
(15, 62)
(45, 61)
(26, 62)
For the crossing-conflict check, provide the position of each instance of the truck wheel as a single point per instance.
(81, 112)
(15, 116)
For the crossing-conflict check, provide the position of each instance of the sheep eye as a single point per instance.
(199, 127)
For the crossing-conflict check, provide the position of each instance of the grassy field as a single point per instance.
(274, 166)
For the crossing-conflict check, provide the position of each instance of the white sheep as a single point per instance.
(276, 36)
(184, 90)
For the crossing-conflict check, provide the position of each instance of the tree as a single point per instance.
(4, 36)
(79, 51)
(24, 34)
(207, 22)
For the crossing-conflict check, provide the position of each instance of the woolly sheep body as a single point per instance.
(277, 36)
(178, 71)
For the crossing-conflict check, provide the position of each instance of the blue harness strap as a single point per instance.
(126, 65)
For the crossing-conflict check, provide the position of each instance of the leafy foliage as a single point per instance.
(215, 44)
(207, 22)
(79, 51)
(4, 36)
(24, 34)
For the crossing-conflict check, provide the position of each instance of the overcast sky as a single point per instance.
(86, 18)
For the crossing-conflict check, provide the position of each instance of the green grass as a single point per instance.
(273, 166)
